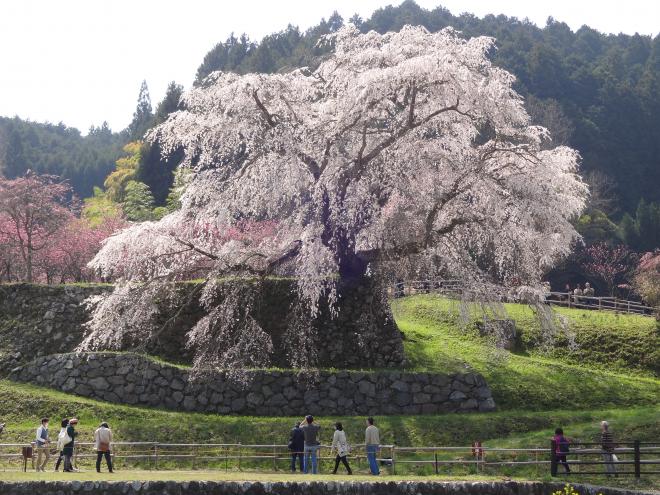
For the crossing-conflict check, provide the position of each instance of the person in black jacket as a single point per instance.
(68, 448)
(296, 446)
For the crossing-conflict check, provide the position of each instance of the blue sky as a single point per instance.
(82, 61)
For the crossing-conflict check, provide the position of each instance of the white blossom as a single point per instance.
(401, 151)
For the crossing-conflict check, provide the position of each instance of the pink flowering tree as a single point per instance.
(647, 279)
(610, 264)
(401, 152)
(70, 250)
(33, 209)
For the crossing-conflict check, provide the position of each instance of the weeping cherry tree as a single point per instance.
(401, 153)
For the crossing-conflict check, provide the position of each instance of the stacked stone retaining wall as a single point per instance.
(134, 379)
(301, 488)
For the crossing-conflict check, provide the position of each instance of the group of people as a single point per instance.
(304, 445)
(580, 292)
(65, 442)
(562, 448)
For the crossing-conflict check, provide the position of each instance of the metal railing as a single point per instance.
(454, 287)
(634, 458)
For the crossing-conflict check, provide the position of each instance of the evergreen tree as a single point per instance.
(138, 203)
(143, 117)
(169, 103)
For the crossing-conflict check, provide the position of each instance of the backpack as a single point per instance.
(63, 439)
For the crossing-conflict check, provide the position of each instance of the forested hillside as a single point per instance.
(84, 161)
(597, 93)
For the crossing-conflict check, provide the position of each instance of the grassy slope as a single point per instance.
(22, 405)
(519, 381)
(535, 394)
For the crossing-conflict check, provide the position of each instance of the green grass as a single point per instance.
(214, 475)
(22, 406)
(435, 342)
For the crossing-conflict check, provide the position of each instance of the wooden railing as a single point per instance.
(453, 287)
(635, 458)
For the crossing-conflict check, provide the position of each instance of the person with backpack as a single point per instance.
(561, 449)
(67, 450)
(42, 445)
(297, 447)
(102, 441)
(61, 437)
(340, 445)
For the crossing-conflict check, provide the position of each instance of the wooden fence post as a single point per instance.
(553, 458)
(638, 467)
(393, 459)
(435, 455)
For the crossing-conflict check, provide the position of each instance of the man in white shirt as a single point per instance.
(42, 445)
(372, 442)
(102, 441)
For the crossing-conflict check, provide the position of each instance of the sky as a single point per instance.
(81, 62)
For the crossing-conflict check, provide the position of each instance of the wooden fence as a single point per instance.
(638, 459)
(453, 287)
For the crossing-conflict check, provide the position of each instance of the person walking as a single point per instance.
(340, 445)
(67, 451)
(311, 447)
(42, 445)
(297, 446)
(561, 448)
(102, 441)
(607, 444)
(60, 443)
(372, 442)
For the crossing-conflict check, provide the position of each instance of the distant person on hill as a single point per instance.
(2, 427)
(372, 442)
(562, 448)
(60, 443)
(577, 293)
(340, 445)
(297, 447)
(607, 444)
(42, 444)
(102, 441)
(589, 292)
(310, 431)
(68, 447)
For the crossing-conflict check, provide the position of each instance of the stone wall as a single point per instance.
(301, 488)
(38, 320)
(135, 379)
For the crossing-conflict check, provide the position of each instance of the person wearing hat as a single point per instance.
(102, 440)
(68, 448)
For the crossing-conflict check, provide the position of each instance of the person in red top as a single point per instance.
(561, 448)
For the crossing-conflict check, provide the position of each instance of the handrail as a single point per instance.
(603, 303)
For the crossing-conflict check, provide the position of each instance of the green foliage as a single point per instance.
(125, 171)
(595, 227)
(83, 161)
(597, 376)
(642, 232)
(138, 203)
(99, 207)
